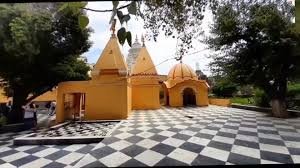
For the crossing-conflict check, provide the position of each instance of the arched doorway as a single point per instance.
(188, 97)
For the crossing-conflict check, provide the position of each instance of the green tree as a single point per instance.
(39, 49)
(259, 46)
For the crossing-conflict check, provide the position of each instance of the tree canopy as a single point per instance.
(177, 19)
(39, 48)
(258, 45)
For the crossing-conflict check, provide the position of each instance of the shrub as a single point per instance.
(261, 98)
(224, 89)
(3, 120)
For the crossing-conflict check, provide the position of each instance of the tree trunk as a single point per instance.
(19, 99)
(278, 102)
(279, 108)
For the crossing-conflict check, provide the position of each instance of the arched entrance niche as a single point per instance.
(163, 95)
(188, 97)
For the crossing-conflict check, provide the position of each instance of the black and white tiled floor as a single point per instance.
(171, 136)
(91, 129)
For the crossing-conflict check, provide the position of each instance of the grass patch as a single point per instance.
(242, 100)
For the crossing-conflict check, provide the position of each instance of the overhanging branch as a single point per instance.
(108, 10)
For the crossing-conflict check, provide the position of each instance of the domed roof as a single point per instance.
(182, 71)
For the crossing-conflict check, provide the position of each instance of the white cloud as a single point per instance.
(161, 50)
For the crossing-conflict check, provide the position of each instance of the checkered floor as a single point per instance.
(80, 129)
(172, 137)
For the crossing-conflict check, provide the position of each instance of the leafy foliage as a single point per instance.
(176, 18)
(261, 99)
(39, 49)
(224, 88)
(258, 43)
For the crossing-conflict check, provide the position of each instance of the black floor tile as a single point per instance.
(226, 134)
(220, 145)
(54, 164)
(85, 149)
(7, 153)
(102, 152)
(170, 162)
(248, 133)
(246, 143)
(271, 141)
(24, 160)
(267, 131)
(206, 136)
(163, 148)
(57, 155)
(158, 138)
(134, 139)
(133, 163)
(133, 150)
(276, 157)
(191, 147)
(35, 149)
(181, 136)
(294, 151)
(241, 159)
(203, 160)
(290, 138)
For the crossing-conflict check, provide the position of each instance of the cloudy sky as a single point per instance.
(161, 50)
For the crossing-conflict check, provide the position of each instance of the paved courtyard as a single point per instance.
(171, 137)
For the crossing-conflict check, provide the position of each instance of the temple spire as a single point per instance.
(143, 40)
(136, 39)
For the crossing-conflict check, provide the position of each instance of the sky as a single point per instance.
(159, 51)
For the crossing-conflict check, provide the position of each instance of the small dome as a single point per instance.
(182, 72)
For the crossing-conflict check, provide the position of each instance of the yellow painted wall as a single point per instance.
(3, 98)
(220, 102)
(145, 92)
(105, 100)
(199, 87)
(48, 96)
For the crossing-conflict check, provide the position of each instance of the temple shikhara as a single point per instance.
(117, 86)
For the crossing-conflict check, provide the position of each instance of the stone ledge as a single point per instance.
(259, 109)
(31, 139)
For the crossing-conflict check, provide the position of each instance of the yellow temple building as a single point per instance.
(114, 91)
(144, 82)
(184, 88)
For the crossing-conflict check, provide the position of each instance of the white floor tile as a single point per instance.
(251, 152)
(223, 139)
(149, 157)
(173, 142)
(167, 133)
(14, 157)
(119, 145)
(147, 143)
(7, 165)
(46, 152)
(183, 155)
(70, 158)
(37, 163)
(87, 159)
(215, 153)
(274, 148)
(24, 148)
(199, 141)
(115, 159)
(75, 147)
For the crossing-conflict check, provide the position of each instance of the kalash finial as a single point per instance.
(136, 39)
(143, 40)
(113, 27)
